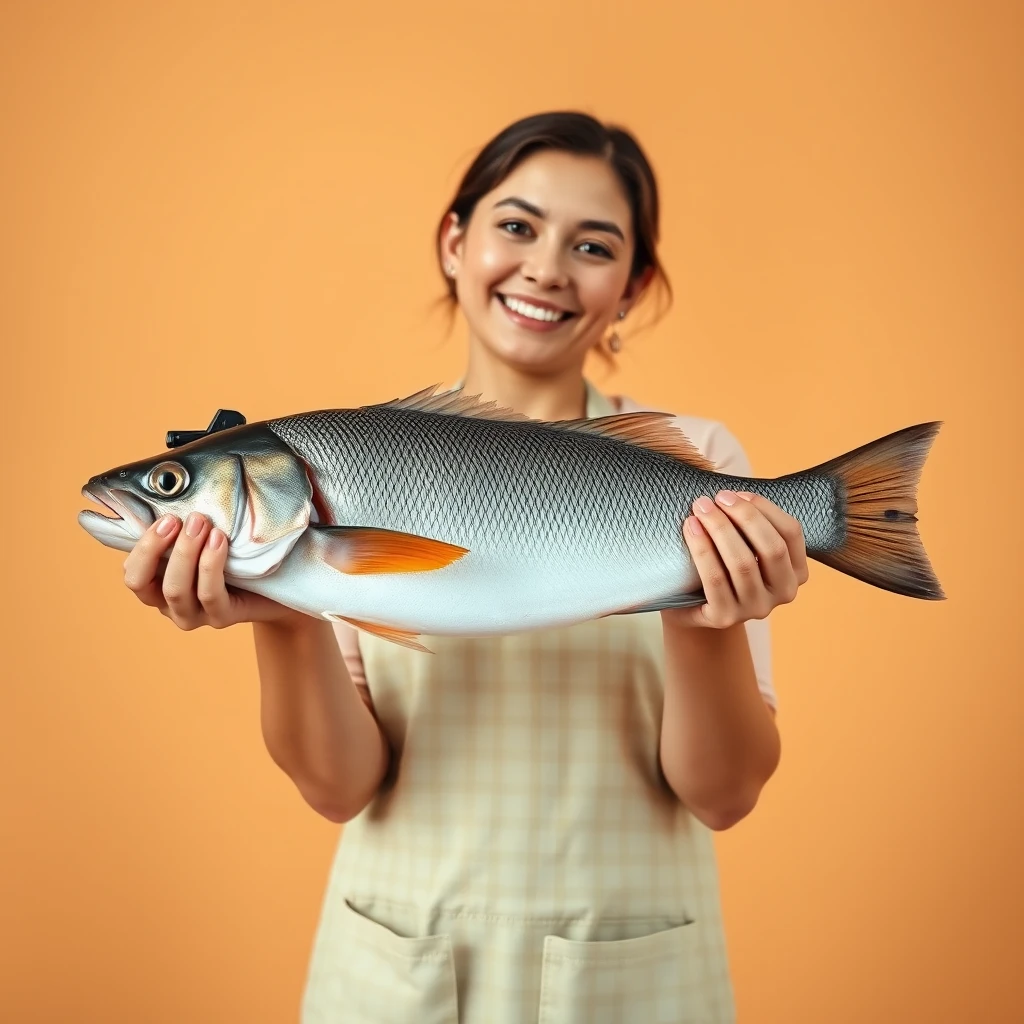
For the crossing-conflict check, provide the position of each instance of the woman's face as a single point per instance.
(543, 266)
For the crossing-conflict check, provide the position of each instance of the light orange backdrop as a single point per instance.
(206, 206)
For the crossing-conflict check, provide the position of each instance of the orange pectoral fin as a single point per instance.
(403, 637)
(362, 550)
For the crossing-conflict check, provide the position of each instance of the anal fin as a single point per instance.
(403, 637)
(690, 599)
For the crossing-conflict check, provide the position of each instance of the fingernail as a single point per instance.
(164, 525)
(726, 498)
(194, 526)
(746, 495)
(693, 525)
(703, 505)
(216, 539)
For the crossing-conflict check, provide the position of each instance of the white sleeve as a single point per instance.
(348, 641)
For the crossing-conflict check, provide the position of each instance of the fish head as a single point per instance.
(246, 481)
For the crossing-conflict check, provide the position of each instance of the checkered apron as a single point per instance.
(524, 862)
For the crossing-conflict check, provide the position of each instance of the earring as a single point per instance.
(615, 342)
(449, 269)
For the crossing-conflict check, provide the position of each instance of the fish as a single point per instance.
(441, 514)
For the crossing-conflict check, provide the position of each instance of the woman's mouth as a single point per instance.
(533, 315)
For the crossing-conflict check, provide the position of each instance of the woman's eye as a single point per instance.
(522, 229)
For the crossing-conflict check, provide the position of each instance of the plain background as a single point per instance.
(209, 206)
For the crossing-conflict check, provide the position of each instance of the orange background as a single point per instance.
(207, 206)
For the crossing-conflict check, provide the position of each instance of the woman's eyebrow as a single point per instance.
(588, 225)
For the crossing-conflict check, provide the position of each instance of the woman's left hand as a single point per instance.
(750, 556)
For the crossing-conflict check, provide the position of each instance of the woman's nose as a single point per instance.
(545, 267)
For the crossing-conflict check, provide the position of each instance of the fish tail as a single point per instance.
(876, 502)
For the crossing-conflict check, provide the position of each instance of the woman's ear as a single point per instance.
(450, 243)
(636, 288)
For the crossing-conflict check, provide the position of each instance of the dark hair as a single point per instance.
(571, 132)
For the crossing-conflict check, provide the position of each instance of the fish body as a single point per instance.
(437, 514)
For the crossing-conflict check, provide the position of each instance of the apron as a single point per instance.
(524, 862)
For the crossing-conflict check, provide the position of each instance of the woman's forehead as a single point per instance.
(563, 185)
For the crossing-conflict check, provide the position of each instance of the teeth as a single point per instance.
(533, 312)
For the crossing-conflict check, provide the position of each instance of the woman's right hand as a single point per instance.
(190, 589)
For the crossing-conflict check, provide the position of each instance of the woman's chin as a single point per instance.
(528, 350)
(535, 357)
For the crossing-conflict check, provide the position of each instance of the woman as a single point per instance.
(529, 818)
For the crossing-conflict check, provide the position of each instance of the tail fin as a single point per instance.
(878, 496)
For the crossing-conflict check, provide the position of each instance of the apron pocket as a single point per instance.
(657, 979)
(380, 977)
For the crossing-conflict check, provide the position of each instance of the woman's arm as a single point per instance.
(318, 726)
(719, 742)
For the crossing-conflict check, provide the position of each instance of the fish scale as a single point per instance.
(541, 488)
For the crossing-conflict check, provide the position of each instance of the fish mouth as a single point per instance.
(124, 518)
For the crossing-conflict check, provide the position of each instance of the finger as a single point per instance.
(736, 554)
(210, 587)
(788, 527)
(142, 566)
(179, 587)
(722, 607)
(774, 567)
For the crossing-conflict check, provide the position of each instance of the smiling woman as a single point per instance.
(554, 229)
(529, 817)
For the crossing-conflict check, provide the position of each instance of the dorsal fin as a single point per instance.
(455, 403)
(649, 430)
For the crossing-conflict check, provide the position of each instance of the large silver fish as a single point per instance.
(439, 514)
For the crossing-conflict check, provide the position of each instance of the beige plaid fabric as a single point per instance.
(525, 863)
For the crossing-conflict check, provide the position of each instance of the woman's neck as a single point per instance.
(556, 396)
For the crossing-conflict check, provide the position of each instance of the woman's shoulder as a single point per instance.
(711, 437)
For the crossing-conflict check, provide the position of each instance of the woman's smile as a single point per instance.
(533, 314)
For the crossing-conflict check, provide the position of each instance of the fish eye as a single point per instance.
(168, 479)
